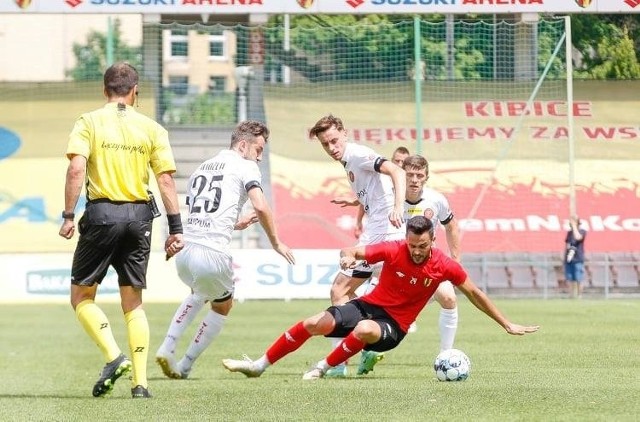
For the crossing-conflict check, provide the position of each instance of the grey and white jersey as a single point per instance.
(432, 205)
(373, 189)
(217, 191)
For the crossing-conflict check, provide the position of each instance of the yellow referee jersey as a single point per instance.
(120, 145)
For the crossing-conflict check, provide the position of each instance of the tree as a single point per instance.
(617, 58)
(91, 58)
(606, 45)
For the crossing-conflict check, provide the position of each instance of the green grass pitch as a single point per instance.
(580, 366)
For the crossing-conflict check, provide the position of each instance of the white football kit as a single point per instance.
(217, 191)
(432, 205)
(374, 191)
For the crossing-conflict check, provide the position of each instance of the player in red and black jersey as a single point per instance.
(379, 320)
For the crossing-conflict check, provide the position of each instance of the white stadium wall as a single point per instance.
(260, 274)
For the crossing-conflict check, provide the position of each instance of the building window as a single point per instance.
(179, 43)
(179, 85)
(217, 84)
(217, 47)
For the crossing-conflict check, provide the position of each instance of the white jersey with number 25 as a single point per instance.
(217, 191)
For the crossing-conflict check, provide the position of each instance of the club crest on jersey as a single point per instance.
(427, 282)
(583, 3)
(428, 213)
(351, 176)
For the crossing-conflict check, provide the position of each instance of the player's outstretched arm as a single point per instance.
(244, 221)
(344, 201)
(481, 301)
(349, 257)
(399, 179)
(265, 216)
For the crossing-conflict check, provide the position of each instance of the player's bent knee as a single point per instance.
(222, 308)
(322, 323)
(367, 331)
(448, 302)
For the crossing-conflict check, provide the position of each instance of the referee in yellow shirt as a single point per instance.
(110, 152)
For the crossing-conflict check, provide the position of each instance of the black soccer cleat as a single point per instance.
(139, 392)
(110, 373)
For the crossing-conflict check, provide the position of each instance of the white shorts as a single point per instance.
(363, 269)
(208, 272)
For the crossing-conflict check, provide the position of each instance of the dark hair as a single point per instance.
(416, 162)
(419, 225)
(119, 79)
(248, 130)
(401, 150)
(325, 124)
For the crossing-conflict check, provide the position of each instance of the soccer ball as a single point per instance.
(452, 365)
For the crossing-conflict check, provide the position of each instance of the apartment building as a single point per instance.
(39, 48)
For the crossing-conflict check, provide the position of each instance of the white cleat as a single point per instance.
(245, 366)
(313, 374)
(184, 373)
(168, 365)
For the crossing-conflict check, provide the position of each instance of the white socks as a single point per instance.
(323, 365)
(448, 324)
(208, 330)
(262, 363)
(184, 315)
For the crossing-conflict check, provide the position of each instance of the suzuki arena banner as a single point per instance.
(318, 6)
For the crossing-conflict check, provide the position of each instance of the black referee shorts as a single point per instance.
(125, 245)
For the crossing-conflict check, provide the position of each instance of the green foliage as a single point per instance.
(375, 47)
(608, 46)
(91, 57)
(381, 47)
(617, 58)
(579, 367)
(548, 37)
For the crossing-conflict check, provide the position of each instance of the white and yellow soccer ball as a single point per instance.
(452, 365)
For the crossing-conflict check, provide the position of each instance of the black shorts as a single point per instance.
(348, 315)
(125, 245)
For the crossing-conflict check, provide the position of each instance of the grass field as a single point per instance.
(581, 366)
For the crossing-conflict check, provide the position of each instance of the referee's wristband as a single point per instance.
(175, 223)
(68, 215)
